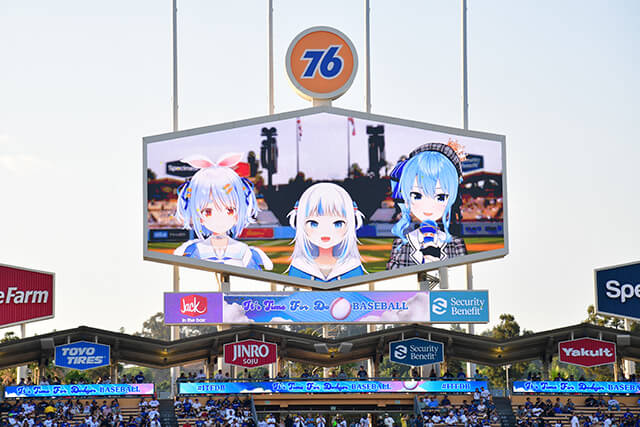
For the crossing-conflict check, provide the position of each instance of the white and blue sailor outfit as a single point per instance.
(236, 253)
(301, 267)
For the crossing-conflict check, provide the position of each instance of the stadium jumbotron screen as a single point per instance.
(324, 197)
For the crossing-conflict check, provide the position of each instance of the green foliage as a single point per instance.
(507, 328)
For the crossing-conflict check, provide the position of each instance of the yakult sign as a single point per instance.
(587, 352)
(250, 353)
(25, 295)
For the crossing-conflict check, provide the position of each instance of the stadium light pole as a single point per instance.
(270, 49)
(465, 123)
(175, 330)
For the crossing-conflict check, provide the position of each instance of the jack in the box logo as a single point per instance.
(193, 305)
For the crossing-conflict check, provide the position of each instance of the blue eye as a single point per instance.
(442, 197)
(339, 224)
(415, 195)
(312, 223)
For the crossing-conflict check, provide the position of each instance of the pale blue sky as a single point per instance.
(81, 82)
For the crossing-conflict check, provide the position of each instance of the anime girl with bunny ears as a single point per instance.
(326, 247)
(217, 205)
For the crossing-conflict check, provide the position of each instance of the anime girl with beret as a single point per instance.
(217, 205)
(326, 248)
(425, 187)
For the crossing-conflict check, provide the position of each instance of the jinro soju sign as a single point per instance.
(82, 355)
(250, 353)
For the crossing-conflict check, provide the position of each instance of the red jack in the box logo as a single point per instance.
(193, 305)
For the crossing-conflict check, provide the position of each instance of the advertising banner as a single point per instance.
(82, 355)
(83, 390)
(324, 198)
(25, 295)
(416, 352)
(618, 290)
(326, 307)
(459, 307)
(250, 353)
(410, 386)
(587, 352)
(296, 307)
(575, 387)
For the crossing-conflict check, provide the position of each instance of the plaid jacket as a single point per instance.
(407, 254)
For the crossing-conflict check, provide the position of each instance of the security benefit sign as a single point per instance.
(587, 352)
(250, 353)
(416, 352)
(82, 355)
(459, 306)
(25, 295)
(618, 290)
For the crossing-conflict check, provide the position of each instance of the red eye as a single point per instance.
(206, 212)
(231, 211)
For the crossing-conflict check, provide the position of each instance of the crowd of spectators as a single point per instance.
(478, 411)
(225, 411)
(601, 411)
(68, 413)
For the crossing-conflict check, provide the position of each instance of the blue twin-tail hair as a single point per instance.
(221, 186)
(326, 199)
(425, 169)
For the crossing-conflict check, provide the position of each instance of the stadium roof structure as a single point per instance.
(306, 348)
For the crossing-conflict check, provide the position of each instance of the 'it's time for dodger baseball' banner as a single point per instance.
(327, 307)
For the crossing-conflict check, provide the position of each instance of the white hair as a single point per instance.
(326, 199)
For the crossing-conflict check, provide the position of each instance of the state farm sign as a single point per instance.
(587, 352)
(25, 295)
(250, 353)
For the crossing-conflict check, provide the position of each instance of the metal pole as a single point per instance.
(175, 65)
(21, 371)
(465, 94)
(629, 365)
(465, 123)
(271, 106)
(348, 149)
(175, 330)
(367, 58)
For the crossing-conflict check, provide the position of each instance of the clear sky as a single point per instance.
(81, 82)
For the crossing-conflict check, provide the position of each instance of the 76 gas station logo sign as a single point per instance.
(321, 63)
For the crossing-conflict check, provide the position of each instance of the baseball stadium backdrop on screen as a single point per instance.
(324, 197)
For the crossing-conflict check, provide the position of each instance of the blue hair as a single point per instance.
(225, 189)
(427, 168)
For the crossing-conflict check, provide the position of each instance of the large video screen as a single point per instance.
(324, 197)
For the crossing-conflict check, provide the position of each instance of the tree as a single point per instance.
(154, 327)
(8, 376)
(507, 328)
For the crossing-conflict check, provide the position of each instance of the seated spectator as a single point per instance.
(590, 402)
(613, 404)
(433, 402)
(445, 401)
(570, 406)
(484, 393)
(451, 419)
